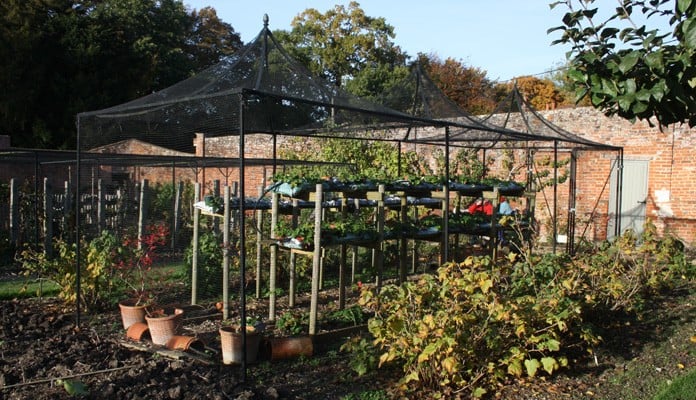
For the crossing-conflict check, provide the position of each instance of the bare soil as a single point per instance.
(39, 343)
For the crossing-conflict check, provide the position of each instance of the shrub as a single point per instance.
(109, 267)
(95, 280)
(209, 263)
(622, 274)
(474, 324)
(467, 328)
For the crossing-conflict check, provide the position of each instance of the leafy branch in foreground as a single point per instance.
(632, 70)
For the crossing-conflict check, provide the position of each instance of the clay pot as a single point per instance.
(162, 328)
(282, 348)
(138, 331)
(231, 343)
(131, 313)
(178, 342)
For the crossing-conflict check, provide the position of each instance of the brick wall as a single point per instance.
(671, 163)
(672, 167)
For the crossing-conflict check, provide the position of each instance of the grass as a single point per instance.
(26, 288)
(682, 388)
(22, 288)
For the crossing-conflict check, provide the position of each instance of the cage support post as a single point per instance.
(316, 261)
(273, 269)
(48, 218)
(142, 212)
(226, 255)
(194, 245)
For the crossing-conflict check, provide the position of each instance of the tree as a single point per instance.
(62, 57)
(340, 43)
(210, 38)
(629, 69)
(540, 93)
(467, 86)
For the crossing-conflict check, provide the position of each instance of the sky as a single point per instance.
(505, 38)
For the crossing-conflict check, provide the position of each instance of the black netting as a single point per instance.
(273, 92)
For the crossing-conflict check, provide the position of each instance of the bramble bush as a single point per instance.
(475, 324)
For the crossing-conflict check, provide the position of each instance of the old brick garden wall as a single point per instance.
(669, 151)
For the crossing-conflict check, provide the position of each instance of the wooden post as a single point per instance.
(216, 194)
(342, 260)
(194, 245)
(316, 261)
(101, 222)
(273, 271)
(14, 212)
(293, 256)
(226, 255)
(142, 212)
(321, 216)
(48, 219)
(259, 238)
(379, 252)
(177, 213)
(354, 255)
(67, 211)
(403, 242)
(444, 239)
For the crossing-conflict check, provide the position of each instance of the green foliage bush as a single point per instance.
(110, 268)
(95, 278)
(464, 328)
(475, 324)
(209, 263)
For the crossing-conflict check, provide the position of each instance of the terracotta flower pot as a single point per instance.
(282, 348)
(162, 328)
(138, 331)
(231, 343)
(131, 313)
(185, 343)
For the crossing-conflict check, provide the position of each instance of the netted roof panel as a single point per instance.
(513, 123)
(516, 112)
(418, 95)
(277, 94)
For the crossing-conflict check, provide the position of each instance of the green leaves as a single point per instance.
(74, 387)
(532, 365)
(626, 68)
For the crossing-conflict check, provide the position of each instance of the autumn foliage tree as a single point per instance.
(541, 93)
(467, 86)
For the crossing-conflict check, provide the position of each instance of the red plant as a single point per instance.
(135, 257)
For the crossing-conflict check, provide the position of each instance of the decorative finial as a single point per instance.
(265, 20)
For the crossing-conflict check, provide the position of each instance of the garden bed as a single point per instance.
(40, 343)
